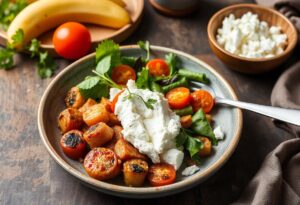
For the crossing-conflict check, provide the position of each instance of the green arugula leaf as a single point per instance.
(109, 47)
(145, 45)
(201, 126)
(9, 10)
(92, 87)
(104, 65)
(173, 62)
(142, 81)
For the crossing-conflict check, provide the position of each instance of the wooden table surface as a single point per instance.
(28, 175)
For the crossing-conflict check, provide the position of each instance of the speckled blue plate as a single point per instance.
(52, 103)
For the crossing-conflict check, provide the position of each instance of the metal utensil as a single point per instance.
(287, 115)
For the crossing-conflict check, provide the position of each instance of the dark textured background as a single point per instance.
(28, 175)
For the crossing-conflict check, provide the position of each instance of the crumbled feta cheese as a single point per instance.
(173, 157)
(219, 134)
(251, 38)
(152, 132)
(188, 171)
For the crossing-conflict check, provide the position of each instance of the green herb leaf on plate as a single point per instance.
(109, 47)
(142, 81)
(173, 62)
(181, 138)
(145, 45)
(201, 126)
(104, 65)
(92, 87)
(193, 145)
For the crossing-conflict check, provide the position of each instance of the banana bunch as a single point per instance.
(43, 15)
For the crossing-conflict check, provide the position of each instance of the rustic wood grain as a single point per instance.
(28, 175)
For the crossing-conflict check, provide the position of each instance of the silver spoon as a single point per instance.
(287, 115)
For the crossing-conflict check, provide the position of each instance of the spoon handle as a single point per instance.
(287, 115)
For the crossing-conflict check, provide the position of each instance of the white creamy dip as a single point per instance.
(152, 131)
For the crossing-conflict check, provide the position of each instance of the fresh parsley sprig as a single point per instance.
(9, 10)
(149, 103)
(145, 45)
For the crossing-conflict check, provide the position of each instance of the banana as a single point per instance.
(43, 15)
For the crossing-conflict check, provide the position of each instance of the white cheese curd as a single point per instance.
(219, 134)
(152, 132)
(113, 92)
(173, 157)
(188, 171)
(251, 38)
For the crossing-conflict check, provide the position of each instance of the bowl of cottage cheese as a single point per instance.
(251, 39)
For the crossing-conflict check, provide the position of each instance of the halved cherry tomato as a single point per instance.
(202, 99)
(158, 67)
(102, 164)
(178, 97)
(122, 73)
(115, 100)
(161, 174)
(73, 144)
(72, 40)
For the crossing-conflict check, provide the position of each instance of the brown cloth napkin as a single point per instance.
(278, 180)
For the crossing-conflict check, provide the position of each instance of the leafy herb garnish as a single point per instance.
(145, 45)
(202, 127)
(191, 144)
(109, 47)
(92, 87)
(9, 10)
(142, 81)
(173, 62)
(149, 103)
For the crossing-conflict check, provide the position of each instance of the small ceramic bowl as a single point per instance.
(249, 65)
(52, 103)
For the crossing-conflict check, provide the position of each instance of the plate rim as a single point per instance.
(135, 192)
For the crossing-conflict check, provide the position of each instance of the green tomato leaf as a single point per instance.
(201, 126)
(104, 65)
(142, 81)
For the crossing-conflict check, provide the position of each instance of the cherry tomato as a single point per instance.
(202, 99)
(115, 100)
(72, 40)
(73, 144)
(161, 174)
(102, 164)
(178, 97)
(158, 67)
(122, 73)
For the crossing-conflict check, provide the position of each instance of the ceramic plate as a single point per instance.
(52, 103)
(98, 33)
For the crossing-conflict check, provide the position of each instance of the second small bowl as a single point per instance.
(252, 65)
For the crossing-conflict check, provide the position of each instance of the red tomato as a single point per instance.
(202, 99)
(115, 100)
(178, 97)
(161, 174)
(72, 40)
(122, 73)
(158, 67)
(73, 144)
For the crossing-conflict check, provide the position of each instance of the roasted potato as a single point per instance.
(106, 103)
(95, 114)
(117, 135)
(89, 103)
(135, 172)
(98, 135)
(186, 121)
(207, 147)
(126, 151)
(102, 164)
(69, 119)
(74, 99)
(113, 119)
